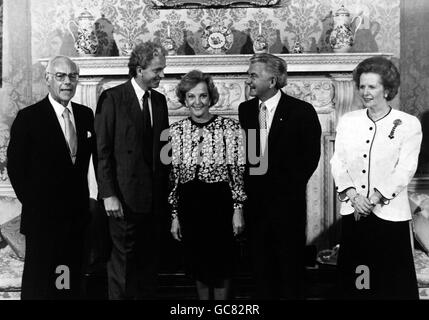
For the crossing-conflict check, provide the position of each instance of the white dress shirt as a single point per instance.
(140, 93)
(271, 105)
(377, 155)
(59, 109)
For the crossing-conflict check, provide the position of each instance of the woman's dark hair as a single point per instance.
(143, 54)
(190, 80)
(389, 74)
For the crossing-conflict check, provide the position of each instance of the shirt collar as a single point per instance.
(272, 102)
(138, 90)
(58, 107)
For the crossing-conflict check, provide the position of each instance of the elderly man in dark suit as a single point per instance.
(284, 134)
(48, 157)
(132, 181)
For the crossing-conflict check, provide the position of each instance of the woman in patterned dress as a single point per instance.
(207, 192)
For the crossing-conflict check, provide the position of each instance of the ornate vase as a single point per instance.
(260, 45)
(342, 36)
(169, 45)
(86, 42)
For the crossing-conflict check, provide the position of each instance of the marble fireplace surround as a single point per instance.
(325, 80)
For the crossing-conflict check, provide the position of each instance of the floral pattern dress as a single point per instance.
(208, 163)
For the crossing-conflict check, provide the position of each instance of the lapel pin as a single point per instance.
(396, 123)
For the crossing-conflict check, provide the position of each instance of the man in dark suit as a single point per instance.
(48, 157)
(132, 181)
(284, 133)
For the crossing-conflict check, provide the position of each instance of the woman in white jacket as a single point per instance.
(376, 155)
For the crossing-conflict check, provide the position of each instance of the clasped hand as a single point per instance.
(363, 206)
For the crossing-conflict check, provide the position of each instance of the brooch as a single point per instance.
(396, 123)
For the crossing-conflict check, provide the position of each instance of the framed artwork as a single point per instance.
(168, 4)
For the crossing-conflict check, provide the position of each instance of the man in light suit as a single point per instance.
(48, 157)
(288, 145)
(131, 179)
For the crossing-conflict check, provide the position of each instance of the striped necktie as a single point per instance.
(70, 134)
(263, 126)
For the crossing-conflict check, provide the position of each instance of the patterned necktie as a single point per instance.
(147, 128)
(263, 126)
(70, 134)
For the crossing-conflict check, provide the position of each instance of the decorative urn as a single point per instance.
(85, 42)
(342, 35)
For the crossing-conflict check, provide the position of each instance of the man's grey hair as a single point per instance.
(274, 65)
(52, 61)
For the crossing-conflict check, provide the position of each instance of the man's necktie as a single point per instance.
(147, 129)
(70, 134)
(263, 126)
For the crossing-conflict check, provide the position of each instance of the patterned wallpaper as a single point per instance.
(47, 26)
(120, 23)
(415, 69)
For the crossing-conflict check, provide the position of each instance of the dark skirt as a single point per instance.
(205, 211)
(383, 248)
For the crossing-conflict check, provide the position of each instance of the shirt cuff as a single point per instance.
(238, 205)
(342, 195)
(383, 199)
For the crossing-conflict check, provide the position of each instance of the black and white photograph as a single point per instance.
(214, 155)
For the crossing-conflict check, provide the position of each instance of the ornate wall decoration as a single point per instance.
(173, 27)
(302, 23)
(15, 93)
(1, 40)
(175, 4)
(262, 22)
(319, 93)
(139, 20)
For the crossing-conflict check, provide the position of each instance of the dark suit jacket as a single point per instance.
(293, 155)
(123, 170)
(40, 169)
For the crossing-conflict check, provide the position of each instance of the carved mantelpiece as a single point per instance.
(324, 80)
(308, 63)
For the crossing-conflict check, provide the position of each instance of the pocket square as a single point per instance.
(88, 134)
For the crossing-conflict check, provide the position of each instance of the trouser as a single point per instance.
(133, 265)
(53, 262)
(278, 259)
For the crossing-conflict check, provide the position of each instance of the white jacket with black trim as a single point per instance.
(380, 155)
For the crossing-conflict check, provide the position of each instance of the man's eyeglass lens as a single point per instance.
(59, 76)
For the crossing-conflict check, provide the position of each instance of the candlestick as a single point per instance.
(168, 31)
(260, 28)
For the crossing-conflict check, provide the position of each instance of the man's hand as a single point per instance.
(113, 207)
(237, 222)
(175, 229)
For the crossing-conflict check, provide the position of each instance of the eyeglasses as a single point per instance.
(61, 76)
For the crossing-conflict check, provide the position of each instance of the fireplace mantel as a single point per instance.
(219, 64)
(324, 80)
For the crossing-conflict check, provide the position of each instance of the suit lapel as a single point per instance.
(80, 130)
(54, 128)
(157, 116)
(280, 116)
(253, 120)
(132, 106)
